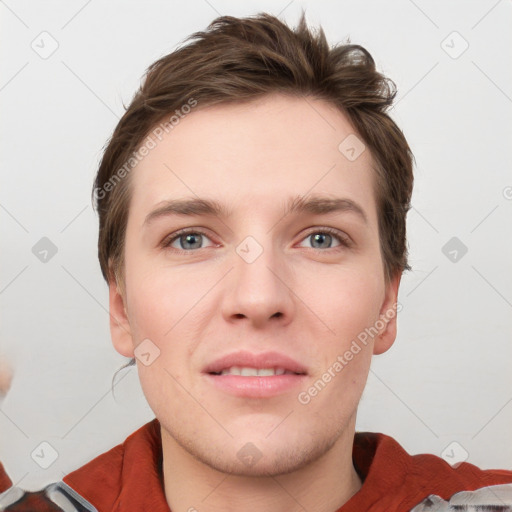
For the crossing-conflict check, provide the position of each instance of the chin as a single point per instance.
(263, 458)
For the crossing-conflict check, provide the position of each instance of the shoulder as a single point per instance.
(5, 481)
(388, 470)
(101, 484)
(127, 468)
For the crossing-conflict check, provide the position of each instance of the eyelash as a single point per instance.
(344, 240)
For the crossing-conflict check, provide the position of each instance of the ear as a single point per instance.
(388, 313)
(120, 329)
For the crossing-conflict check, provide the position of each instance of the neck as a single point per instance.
(322, 486)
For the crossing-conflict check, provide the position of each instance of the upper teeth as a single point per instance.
(254, 372)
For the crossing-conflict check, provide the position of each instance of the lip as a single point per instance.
(255, 387)
(261, 360)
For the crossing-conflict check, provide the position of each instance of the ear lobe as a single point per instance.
(388, 313)
(120, 329)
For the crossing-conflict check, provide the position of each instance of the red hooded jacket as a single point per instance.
(128, 478)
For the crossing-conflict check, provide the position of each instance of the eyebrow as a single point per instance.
(320, 205)
(317, 205)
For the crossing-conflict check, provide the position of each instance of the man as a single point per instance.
(252, 205)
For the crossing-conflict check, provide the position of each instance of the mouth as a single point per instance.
(248, 375)
(247, 371)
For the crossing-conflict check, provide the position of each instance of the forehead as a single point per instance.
(254, 154)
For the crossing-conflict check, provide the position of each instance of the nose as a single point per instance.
(259, 289)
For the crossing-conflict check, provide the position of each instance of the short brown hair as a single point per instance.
(240, 59)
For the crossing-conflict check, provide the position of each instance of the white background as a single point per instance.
(448, 377)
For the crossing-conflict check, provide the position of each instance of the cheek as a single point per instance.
(348, 300)
(349, 305)
(169, 307)
(160, 303)
(159, 300)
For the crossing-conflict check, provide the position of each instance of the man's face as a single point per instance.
(268, 290)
